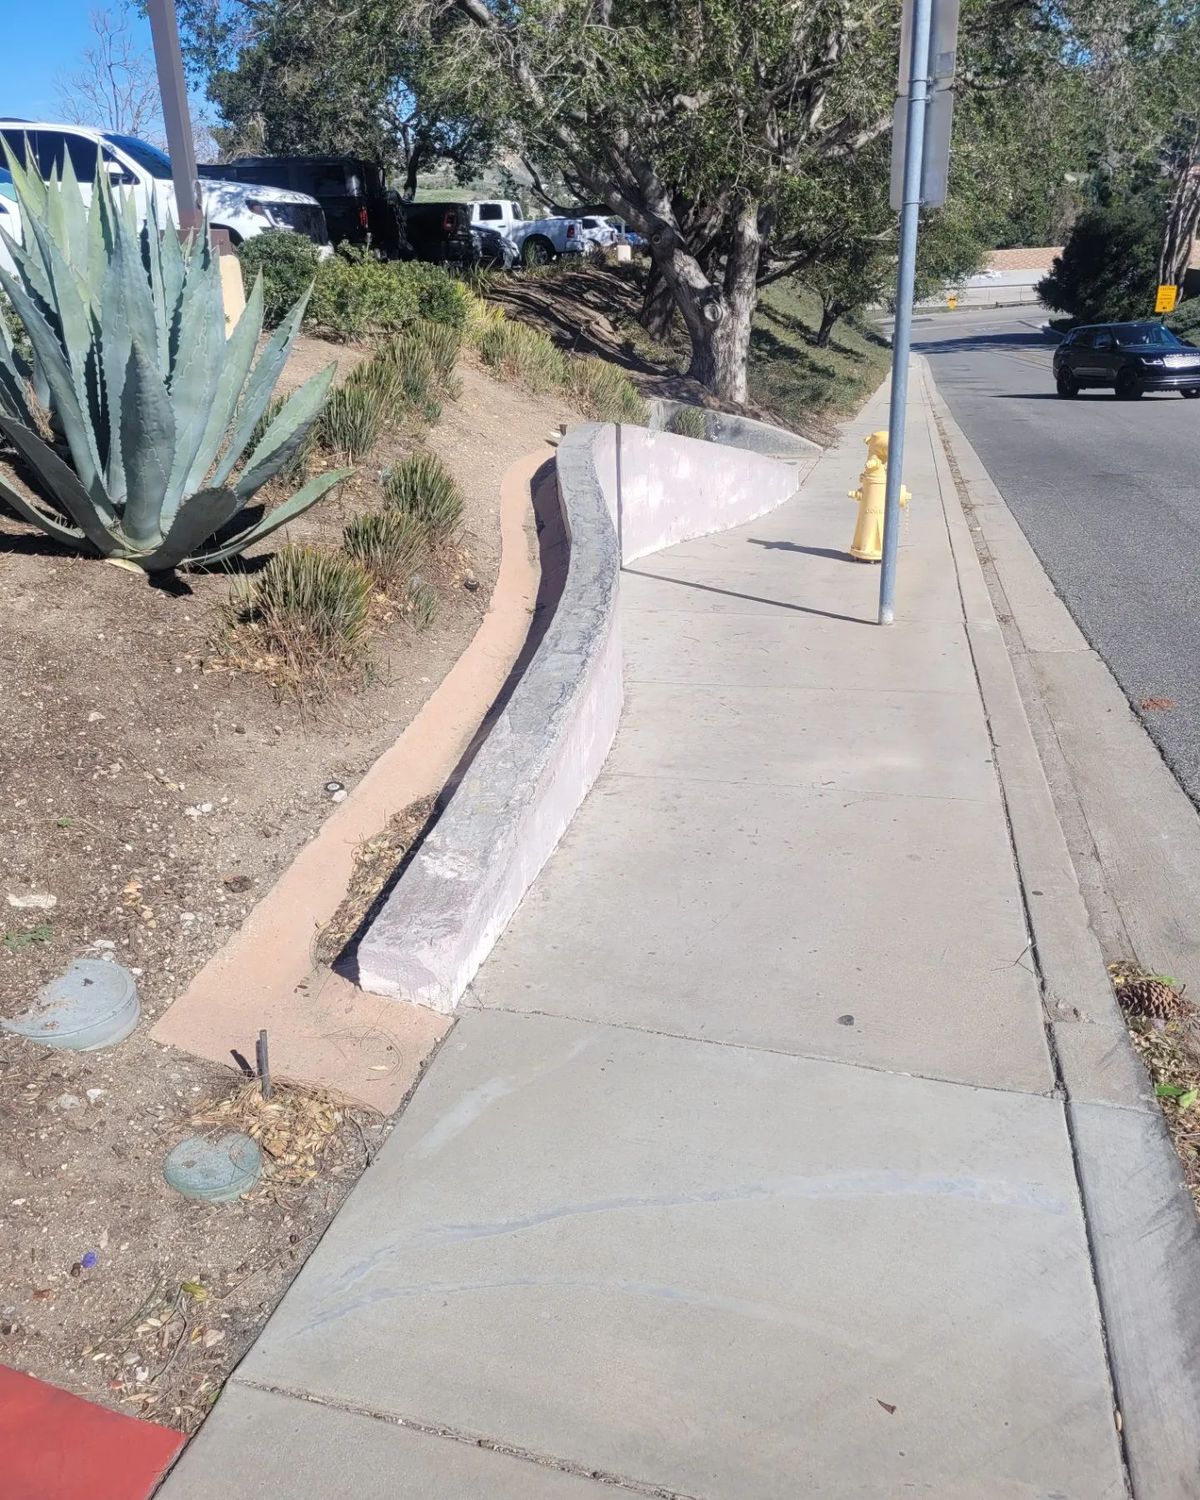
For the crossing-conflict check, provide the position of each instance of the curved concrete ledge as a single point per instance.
(527, 779)
(663, 488)
(622, 492)
(731, 431)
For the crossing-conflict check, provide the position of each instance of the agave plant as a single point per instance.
(136, 417)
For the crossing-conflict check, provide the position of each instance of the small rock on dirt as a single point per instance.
(33, 901)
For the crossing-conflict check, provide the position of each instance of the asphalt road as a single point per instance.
(1108, 494)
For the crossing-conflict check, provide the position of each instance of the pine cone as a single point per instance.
(1151, 998)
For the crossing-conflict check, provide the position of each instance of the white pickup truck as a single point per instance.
(535, 241)
(143, 171)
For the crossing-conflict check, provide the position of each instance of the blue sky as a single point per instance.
(42, 40)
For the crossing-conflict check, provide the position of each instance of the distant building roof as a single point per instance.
(1034, 258)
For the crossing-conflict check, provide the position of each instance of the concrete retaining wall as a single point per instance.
(731, 431)
(549, 742)
(664, 489)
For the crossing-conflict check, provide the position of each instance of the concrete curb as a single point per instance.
(323, 1029)
(623, 492)
(1142, 1226)
(527, 779)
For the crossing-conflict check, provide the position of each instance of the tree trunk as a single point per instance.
(718, 318)
(658, 305)
(1183, 217)
(830, 313)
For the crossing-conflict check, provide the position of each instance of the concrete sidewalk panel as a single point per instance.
(776, 912)
(731, 1274)
(259, 1445)
(795, 648)
(808, 737)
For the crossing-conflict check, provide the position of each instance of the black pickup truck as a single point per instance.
(442, 232)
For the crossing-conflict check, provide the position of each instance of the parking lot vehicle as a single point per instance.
(598, 233)
(359, 209)
(1132, 358)
(10, 219)
(441, 232)
(142, 170)
(536, 241)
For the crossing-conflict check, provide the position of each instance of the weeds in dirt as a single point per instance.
(388, 544)
(415, 379)
(604, 392)
(424, 488)
(522, 353)
(13, 942)
(311, 612)
(688, 421)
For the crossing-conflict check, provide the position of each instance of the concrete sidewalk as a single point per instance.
(744, 1174)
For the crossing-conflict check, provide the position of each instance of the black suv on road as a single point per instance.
(1132, 358)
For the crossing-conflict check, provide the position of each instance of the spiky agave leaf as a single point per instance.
(154, 407)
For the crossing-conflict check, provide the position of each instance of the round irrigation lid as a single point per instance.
(214, 1171)
(94, 1004)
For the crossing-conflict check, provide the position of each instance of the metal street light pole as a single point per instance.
(910, 212)
(164, 31)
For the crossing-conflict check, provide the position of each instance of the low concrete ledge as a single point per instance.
(664, 489)
(730, 431)
(527, 779)
(622, 492)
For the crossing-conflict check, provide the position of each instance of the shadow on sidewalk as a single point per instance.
(834, 552)
(709, 588)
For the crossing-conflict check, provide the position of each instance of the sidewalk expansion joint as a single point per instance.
(1053, 1092)
(471, 1440)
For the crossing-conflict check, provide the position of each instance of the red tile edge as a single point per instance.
(55, 1446)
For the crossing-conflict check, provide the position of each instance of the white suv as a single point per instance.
(138, 168)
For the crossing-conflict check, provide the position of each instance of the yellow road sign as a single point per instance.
(1166, 299)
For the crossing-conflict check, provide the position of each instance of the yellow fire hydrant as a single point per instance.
(867, 545)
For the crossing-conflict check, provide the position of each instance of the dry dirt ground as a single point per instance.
(155, 794)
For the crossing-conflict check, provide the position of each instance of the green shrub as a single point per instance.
(688, 421)
(423, 487)
(441, 298)
(481, 317)
(605, 393)
(353, 297)
(388, 545)
(523, 353)
(351, 420)
(312, 607)
(356, 295)
(1185, 320)
(288, 263)
(1109, 266)
(412, 366)
(442, 342)
(379, 376)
